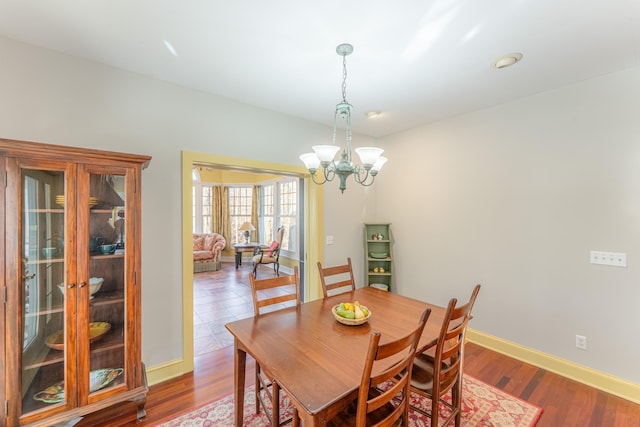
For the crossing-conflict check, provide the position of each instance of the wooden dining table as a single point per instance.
(316, 360)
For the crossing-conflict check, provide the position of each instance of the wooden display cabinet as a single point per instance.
(71, 222)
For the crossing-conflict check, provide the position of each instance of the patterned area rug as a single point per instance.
(483, 406)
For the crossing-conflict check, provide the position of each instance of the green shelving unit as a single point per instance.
(378, 256)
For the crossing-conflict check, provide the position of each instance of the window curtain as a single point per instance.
(256, 235)
(220, 220)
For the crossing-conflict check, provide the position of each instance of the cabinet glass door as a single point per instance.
(42, 291)
(107, 294)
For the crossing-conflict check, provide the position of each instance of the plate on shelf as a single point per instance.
(98, 379)
(378, 255)
(60, 200)
(96, 331)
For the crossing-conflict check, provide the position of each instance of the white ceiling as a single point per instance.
(416, 61)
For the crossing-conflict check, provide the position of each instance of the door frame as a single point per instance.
(313, 219)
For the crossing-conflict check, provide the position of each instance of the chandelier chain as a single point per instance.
(344, 78)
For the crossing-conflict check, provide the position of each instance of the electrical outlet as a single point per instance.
(581, 342)
(614, 259)
(329, 240)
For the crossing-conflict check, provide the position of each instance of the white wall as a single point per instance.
(515, 197)
(57, 99)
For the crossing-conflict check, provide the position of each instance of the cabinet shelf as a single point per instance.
(49, 311)
(47, 210)
(103, 298)
(107, 256)
(45, 261)
(111, 341)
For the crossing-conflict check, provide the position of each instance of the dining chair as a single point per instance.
(385, 379)
(270, 255)
(269, 295)
(437, 372)
(338, 278)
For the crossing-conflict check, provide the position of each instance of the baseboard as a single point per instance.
(596, 379)
(166, 371)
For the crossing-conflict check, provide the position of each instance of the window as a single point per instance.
(240, 199)
(207, 209)
(279, 207)
(288, 210)
(267, 226)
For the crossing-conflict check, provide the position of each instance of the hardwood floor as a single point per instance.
(564, 402)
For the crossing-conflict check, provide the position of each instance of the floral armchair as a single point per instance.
(207, 250)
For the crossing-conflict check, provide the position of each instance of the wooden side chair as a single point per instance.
(270, 255)
(338, 278)
(389, 364)
(435, 373)
(269, 294)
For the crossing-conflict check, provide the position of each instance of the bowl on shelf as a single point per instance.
(98, 379)
(95, 283)
(49, 252)
(378, 255)
(96, 331)
(350, 322)
(380, 286)
(60, 200)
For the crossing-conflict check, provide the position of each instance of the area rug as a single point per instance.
(483, 406)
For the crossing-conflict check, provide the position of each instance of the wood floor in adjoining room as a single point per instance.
(224, 296)
(220, 297)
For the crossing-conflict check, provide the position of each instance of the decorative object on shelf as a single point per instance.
(323, 155)
(378, 255)
(60, 200)
(107, 249)
(49, 252)
(119, 227)
(95, 283)
(96, 331)
(380, 286)
(247, 228)
(95, 242)
(98, 379)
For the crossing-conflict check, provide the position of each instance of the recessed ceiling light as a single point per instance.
(372, 114)
(507, 60)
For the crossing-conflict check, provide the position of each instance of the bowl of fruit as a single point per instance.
(352, 314)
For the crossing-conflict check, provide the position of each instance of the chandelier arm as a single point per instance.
(363, 181)
(313, 178)
(329, 172)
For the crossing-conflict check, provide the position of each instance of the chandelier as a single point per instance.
(324, 155)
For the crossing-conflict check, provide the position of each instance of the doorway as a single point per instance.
(311, 207)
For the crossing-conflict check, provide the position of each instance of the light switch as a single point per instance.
(614, 259)
(329, 240)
